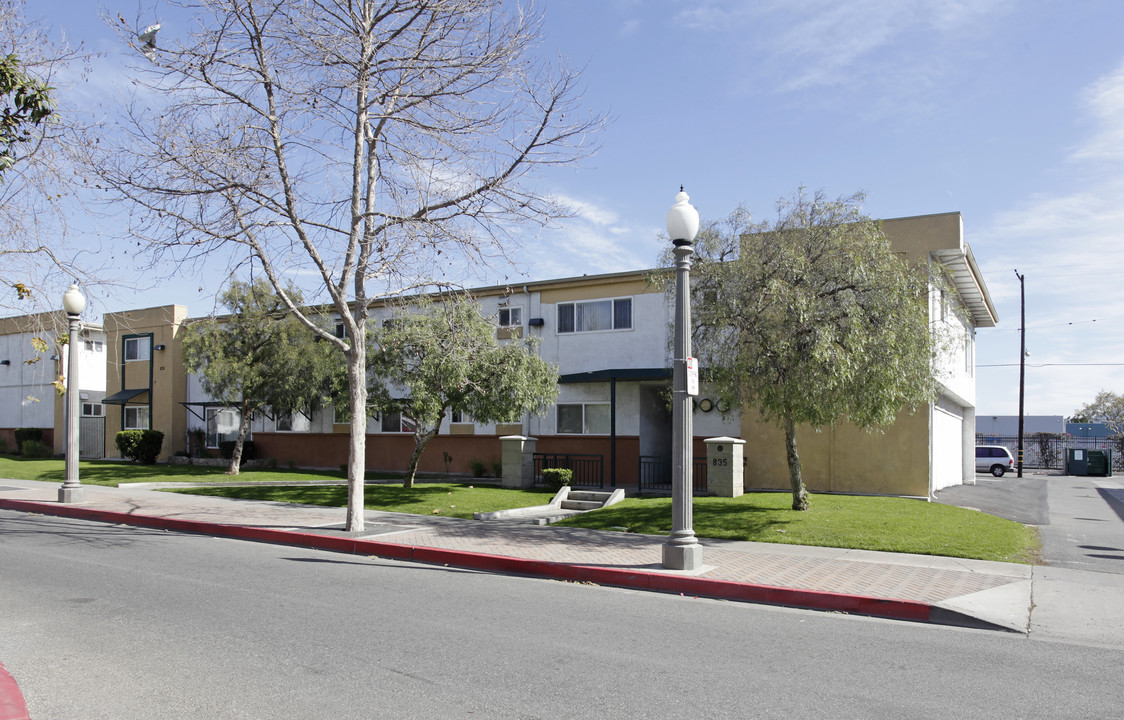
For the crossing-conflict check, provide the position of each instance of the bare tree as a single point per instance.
(372, 145)
(37, 180)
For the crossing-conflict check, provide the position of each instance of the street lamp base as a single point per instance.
(72, 494)
(682, 557)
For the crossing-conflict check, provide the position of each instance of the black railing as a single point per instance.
(588, 469)
(1049, 452)
(655, 474)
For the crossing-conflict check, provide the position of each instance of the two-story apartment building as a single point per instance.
(608, 335)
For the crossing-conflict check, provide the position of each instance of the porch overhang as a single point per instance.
(123, 397)
(616, 374)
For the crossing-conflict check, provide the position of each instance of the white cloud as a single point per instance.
(594, 241)
(588, 211)
(1104, 100)
(1069, 246)
(630, 28)
(813, 43)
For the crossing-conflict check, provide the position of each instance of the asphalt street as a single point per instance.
(108, 621)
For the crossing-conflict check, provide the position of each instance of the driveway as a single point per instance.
(1080, 519)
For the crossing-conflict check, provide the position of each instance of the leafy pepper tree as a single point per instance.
(261, 356)
(812, 319)
(25, 102)
(1107, 407)
(445, 357)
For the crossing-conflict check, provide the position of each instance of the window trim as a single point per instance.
(137, 341)
(218, 437)
(136, 411)
(515, 311)
(571, 310)
(279, 414)
(585, 417)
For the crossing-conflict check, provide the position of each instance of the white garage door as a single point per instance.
(947, 447)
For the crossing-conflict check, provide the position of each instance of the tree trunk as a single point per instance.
(357, 446)
(420, 441)
(243, 428)
(799, 495)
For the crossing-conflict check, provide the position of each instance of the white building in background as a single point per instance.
(1000, 426)
(28, 398)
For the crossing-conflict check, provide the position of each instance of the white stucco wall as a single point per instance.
(27, 396)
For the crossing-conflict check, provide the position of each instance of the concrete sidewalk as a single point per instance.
(908, 587)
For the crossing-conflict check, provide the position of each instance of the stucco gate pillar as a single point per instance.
(518, 461)
(724, 470)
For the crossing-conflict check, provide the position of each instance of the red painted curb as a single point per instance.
(638, 580)
(12, 706)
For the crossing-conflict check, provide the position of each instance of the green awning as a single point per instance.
(123, 397)
(622, 374)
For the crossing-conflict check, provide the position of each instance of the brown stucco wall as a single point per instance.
(916, 237)
(392, 452)
(893, 461)
(168, 376)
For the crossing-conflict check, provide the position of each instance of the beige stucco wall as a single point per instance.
(169, 378)
(894, 461)
(916, 237)
(597, 289)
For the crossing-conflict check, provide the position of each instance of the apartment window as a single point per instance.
(293, 422)
(583, 418)
(396, 422)
(137, 418)
(595, 315)
(137, 349)
(94, 346)
(222, 426)
(93, 410)
(341, 330)
(511, 317)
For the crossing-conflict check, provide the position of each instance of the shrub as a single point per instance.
(141, 445)
(479, 468)
(35, 449)
(25, 434)
(4, 447)
(249, 452)
(557, 478)
(497, 469)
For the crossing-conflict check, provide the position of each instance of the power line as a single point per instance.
(1041, 365)
(1053, 325)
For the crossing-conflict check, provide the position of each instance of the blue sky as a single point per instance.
(1010, 112)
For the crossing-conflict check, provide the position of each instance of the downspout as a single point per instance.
(613, 432)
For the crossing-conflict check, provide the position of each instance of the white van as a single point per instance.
(994, 459)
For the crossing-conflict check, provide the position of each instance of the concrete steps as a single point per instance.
(586, 500)
(566, 503)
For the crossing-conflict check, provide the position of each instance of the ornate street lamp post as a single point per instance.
(682, 550)
(73, 303)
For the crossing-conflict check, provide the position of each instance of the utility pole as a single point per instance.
(1022, 361)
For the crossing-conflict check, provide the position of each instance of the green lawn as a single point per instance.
(101, 472)
(458, 500)
(845, 521)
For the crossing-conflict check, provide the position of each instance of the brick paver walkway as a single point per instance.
(878, 575)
